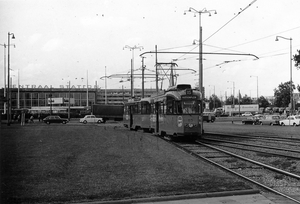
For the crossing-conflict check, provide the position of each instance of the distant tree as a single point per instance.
(214, 101)
(246, 100)
(229, 101)
(263, 102)
(282, 94)
(296, 59)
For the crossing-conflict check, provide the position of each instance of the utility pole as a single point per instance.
(192, 10)
(8, 78)
(132, 65)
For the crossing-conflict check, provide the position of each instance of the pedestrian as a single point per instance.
(39, 117)
(31, 119)
(23, 118)
(15, 117)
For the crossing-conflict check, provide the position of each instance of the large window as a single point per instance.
(77, 103)
(28, 104)
(35, 102)
(13, 103)
(13, 95)
(48, 95)
(42, 102)
(77, 95)
(83, 102)
(91, 96)
(34, 95)
(27, 95)
(55, 95)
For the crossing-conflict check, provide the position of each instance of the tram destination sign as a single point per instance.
(189, 97)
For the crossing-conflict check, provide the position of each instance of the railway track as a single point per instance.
(288, 150)
(266, 176)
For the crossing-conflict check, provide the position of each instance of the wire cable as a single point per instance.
(230, 20)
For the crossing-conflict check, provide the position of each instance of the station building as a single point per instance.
(29, 97)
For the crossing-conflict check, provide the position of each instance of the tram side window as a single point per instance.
(134, 109)
(126, 110)
(145, 108)
(160, 108)
(169, 107)
(148, 108)
(139, 108)
(177, 107)
(164, 108)
(153, 110)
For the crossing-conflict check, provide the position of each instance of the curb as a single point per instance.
(175, 197)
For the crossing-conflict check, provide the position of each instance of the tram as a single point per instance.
(175, 112)
(137, 114)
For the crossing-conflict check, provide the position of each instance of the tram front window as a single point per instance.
(190, 107)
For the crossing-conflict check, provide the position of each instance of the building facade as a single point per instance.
(80, 97)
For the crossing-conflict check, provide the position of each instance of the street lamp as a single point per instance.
(256, 87)
(105, 93)
(291, 76)
(8, 70)
(4, 68)
(192, 10)
(132, 65)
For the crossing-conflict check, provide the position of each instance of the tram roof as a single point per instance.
(177, 95)
(179, 87)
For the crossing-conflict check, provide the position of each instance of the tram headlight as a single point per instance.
(179, 121)
(200, 119)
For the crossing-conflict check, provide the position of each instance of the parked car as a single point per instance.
(55, 119)
(90, 119)
(209, 117)
(254, 120)
(290, 120)
(270, 120)
(247, 114)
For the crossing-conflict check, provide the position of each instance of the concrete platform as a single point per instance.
(238, 199)
(232, 197)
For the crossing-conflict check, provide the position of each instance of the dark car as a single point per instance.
(251, 120)
(55, 119)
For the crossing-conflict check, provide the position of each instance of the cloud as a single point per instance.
(52, 45)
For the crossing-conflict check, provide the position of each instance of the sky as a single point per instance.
(81, 42)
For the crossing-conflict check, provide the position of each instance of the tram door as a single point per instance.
(157, 110)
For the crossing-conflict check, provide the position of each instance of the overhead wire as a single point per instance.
(242, 10)
(264, 37)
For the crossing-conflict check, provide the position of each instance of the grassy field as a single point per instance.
(75, 163)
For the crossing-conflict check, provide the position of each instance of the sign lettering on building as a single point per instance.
(60, 86)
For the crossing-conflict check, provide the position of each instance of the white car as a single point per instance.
(247, 114)
(290, 120)
(90, 119)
